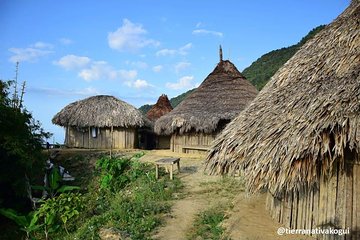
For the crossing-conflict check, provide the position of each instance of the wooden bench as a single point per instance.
(200, 148)
(167, 162)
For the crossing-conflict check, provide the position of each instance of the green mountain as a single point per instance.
(260, 71)
(174, 101)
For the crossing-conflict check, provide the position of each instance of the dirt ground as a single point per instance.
(246, 220)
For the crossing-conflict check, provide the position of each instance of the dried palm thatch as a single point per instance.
(162, 107)
(100, 111)
(221, 96)
(304, 120)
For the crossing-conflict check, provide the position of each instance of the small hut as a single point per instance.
(196, 121)
(100, 122)
(299, 140)
(162, 107)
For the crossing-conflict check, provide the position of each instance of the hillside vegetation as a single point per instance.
(260, 71)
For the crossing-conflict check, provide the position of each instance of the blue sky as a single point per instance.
(136, 50)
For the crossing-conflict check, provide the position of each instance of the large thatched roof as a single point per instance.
(162, 107)
(100, 111)
(305, 119)
(221, 96)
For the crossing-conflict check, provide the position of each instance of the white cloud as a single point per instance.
(30, 54)
(42, 45)
(65, 41)
(181, 66)
(126, 74)
(71, 61)
(130, 36)
(157, 68)
(138, 84)
(183, 83)
(166, 52)
(199, 24)
(98, 70)
(138, 64)
(170, 52)
(207, 32)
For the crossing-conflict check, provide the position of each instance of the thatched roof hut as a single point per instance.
(97, 114)
(99, 111)
(304, 125)
(162, 107)
(221, 96)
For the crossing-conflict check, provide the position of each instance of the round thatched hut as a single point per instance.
(100, 122)
(162, 107)
(196, 121)
(300, 138)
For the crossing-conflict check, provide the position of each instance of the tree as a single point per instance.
(20, 147)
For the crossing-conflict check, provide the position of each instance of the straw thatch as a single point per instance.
(221, 96)
(100, 111)
(162, 107)
(306, 118)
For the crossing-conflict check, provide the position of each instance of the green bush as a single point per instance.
(129, 199)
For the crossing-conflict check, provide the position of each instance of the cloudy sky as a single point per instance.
(136, 50)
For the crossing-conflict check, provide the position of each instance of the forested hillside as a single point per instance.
(260, 71)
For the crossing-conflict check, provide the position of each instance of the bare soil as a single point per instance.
(247, 220)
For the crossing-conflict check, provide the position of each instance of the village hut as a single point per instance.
(100, 122)
(162, 107)
(196, 121)
(299, 140)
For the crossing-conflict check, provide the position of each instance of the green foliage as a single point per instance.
(173, 101)
(208, 225)
(20, 148)
(27, 223)
(177, 100)
(55, 184)
(133, 206)
(58, 211)
(52, 214)
(260, 71)
(145, 108)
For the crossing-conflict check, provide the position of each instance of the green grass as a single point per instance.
(207, 225)
(125, 196)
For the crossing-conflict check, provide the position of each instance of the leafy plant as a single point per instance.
(56, 212)
(28, 223)
(54, 185)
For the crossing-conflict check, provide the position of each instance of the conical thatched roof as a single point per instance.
(221, 96)
(100, 111)
(162, 107)
(306, 117)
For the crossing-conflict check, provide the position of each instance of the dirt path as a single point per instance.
(247, 220)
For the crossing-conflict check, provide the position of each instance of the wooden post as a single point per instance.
(112, 136)
(67, 136)
(157, 171)
(89, 137)
(171, 171)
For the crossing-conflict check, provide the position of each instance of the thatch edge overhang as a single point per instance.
(305, 119)
(197, 112)
(100, 111)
